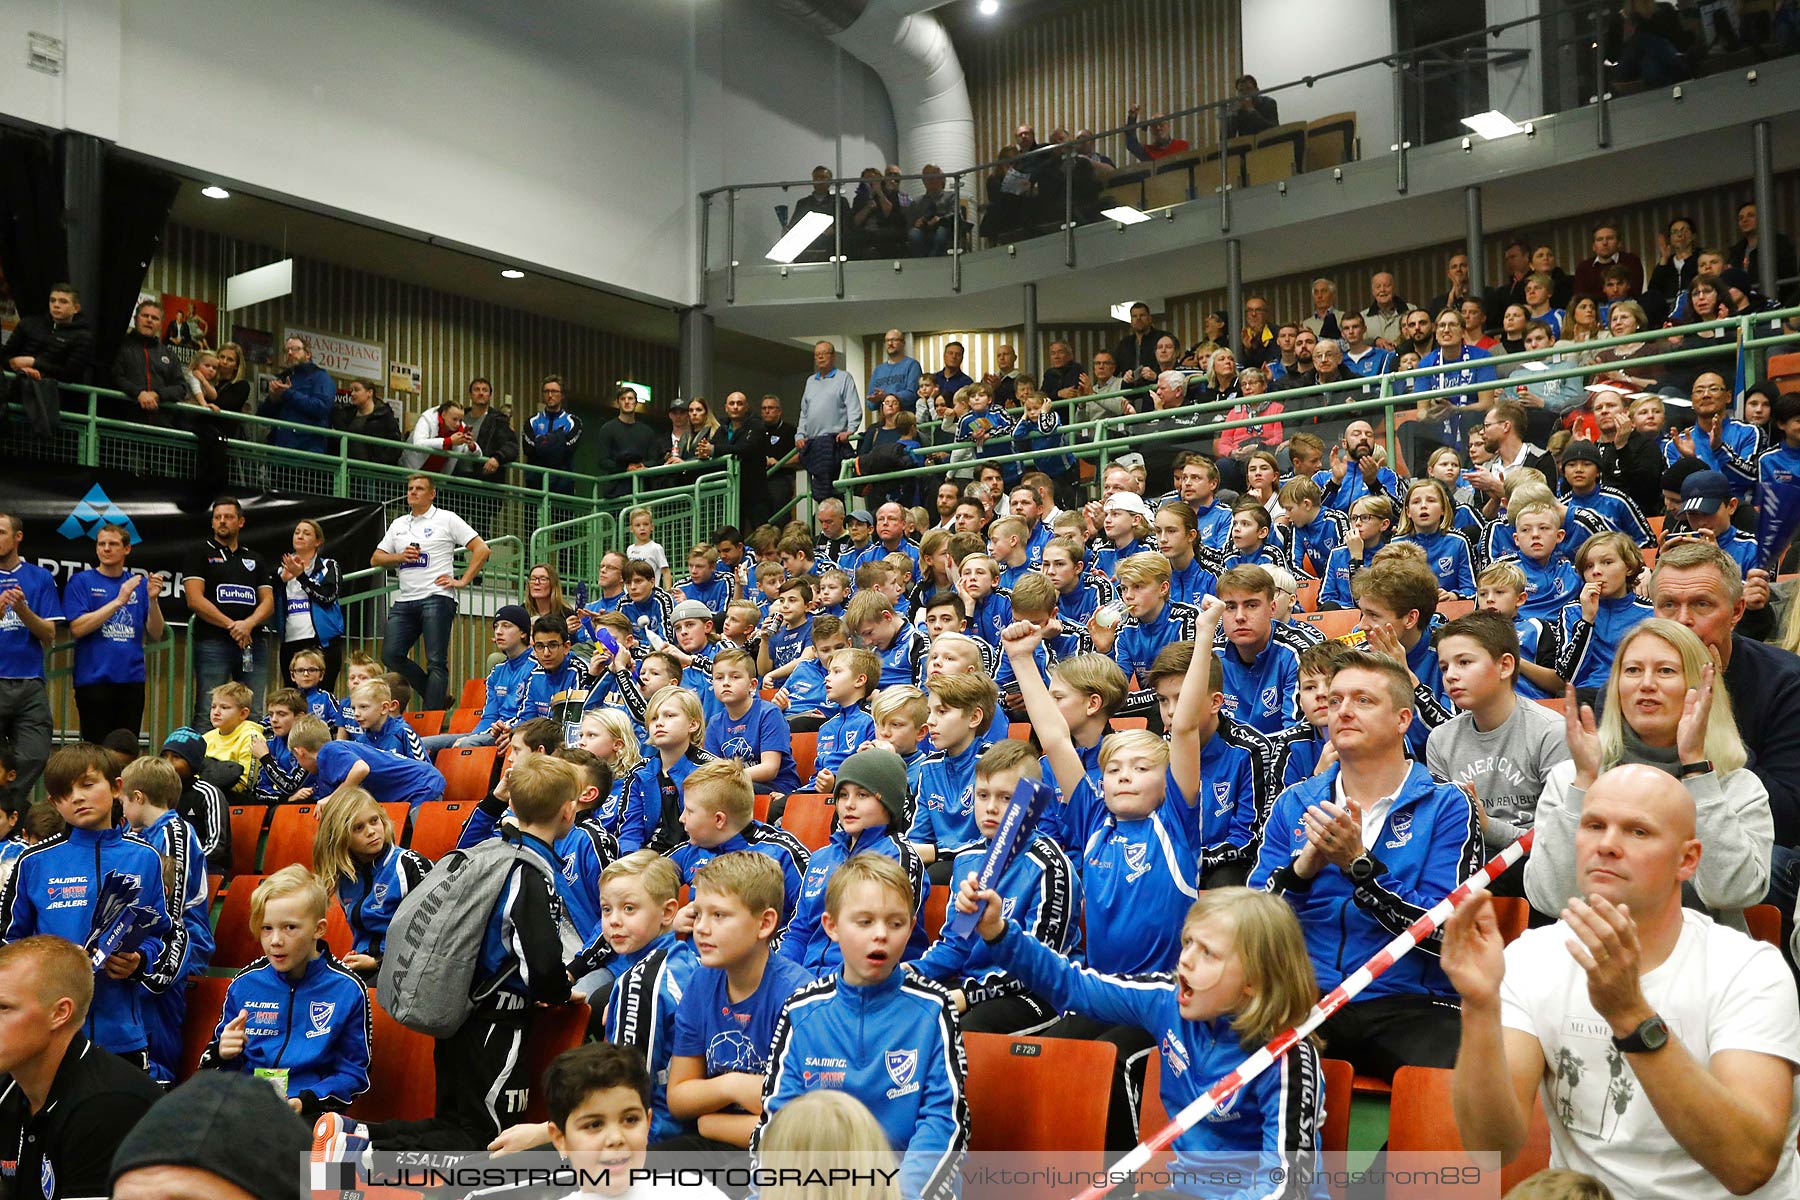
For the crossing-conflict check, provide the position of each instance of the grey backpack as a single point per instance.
(427, 976)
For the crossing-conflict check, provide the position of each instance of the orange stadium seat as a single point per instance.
(464, 720)
(467, 771)
(474, 694)
(937, 910)
(1764, 921)
(553, 1030)
(428, 723)
(438, 824)
(290, 837)
(1335, 623)
(806, 754)
(246, 834)
(234, 945)
(205, 1004)
(1420, 1120)
(1038, 1094)
(402, 1077)
(808, 817)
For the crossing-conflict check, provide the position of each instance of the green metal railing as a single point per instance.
(1387, 400)
(87, 437)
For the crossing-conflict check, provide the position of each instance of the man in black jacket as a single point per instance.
(493, 432)
(1136, 352)
(627, 444)
(46, 350)
(147, 371)
(57, 346)
(1630, 460)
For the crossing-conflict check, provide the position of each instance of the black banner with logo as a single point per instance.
(62, 506)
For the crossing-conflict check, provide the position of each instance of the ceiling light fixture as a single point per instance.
(1493, 124)
(512, 273)
(799, 236)
(989, 8)
(213, 191)
(1125, 214)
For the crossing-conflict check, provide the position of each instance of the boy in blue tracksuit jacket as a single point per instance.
(56, 884)
(1428, 843)
(718, 808)
(871, 802)
(279, 776)
(640, 1013)
(850, 676)
(943, 805)
(887, 1037)
(296, 1009)
(1039, 889)
(150, 789)
(393, 735)
(388, 777)
(505, 683)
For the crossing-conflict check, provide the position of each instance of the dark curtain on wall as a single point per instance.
(34, 248)
(134, 210)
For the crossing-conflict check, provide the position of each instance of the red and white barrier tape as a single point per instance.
(1333, 1000)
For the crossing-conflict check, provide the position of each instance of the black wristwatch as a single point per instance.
(1362, 869)
(1703, 767)
(1652, 1035)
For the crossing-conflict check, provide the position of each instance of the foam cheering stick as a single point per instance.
(1029, 800)
(1778, 506)
(121, 922)
(605, 638)
(1334, 1000)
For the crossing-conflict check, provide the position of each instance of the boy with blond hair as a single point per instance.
(233, 735)
(873, 621)
(1152, 620)
(1311, 532)
(377, 725)
(915, 1087)
(637, 904)
(149, 791)
(943, 824)
(726, 1023)
(1043, 896)
(1551, 581)
(718, 814)
(901, 714)
(1502, 588)
(1007, 540)
(850, 677)
(1396, 600)
(295, 985)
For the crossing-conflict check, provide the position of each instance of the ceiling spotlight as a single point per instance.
(1493, 124)
(988, 8)
(801, 235)
(213, 191)
(512, 273)
(1125, 214)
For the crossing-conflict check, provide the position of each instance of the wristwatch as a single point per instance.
(1703, 767)
(1362, 869)
(1652, 1035)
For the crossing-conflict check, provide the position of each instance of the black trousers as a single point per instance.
(104, 707)
(1381, 1035)
(482, 1085)
(1024, 1015)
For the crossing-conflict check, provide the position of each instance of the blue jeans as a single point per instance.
(407, 621)
(443, 741)
(221, 660)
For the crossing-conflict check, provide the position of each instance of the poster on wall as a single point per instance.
(344, 356)
(189, 325)
(63, 506)
(9, 311)
(405, 377)
(258, 344)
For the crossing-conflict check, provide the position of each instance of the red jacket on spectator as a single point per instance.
(1588, 276)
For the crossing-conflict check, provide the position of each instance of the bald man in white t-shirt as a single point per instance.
(1665, 1046)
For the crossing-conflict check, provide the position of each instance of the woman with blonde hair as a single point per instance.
(544, 598)
(702, 431)
(821, 1132)
(1666, 706)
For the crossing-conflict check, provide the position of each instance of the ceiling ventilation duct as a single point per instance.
(912, 53)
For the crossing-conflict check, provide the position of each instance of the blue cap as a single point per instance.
(1706, 491)
(188, 744)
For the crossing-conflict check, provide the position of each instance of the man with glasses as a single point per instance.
(303, 394)
(551, 434)
(420, 546)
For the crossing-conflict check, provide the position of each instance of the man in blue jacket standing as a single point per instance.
(551, 434)
(302, 395)
(1361, 851)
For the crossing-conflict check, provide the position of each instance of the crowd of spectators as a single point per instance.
(1560, 616)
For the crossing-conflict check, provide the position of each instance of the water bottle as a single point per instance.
(581, 595)
(249, 661)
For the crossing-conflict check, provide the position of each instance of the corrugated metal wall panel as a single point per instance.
(450, 338)
(1085, 67)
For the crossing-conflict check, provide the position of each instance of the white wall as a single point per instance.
(566, 133)
(1285, 40)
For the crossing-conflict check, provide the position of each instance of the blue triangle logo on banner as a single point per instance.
(91, 512)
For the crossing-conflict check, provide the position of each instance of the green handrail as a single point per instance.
(1102, 445)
